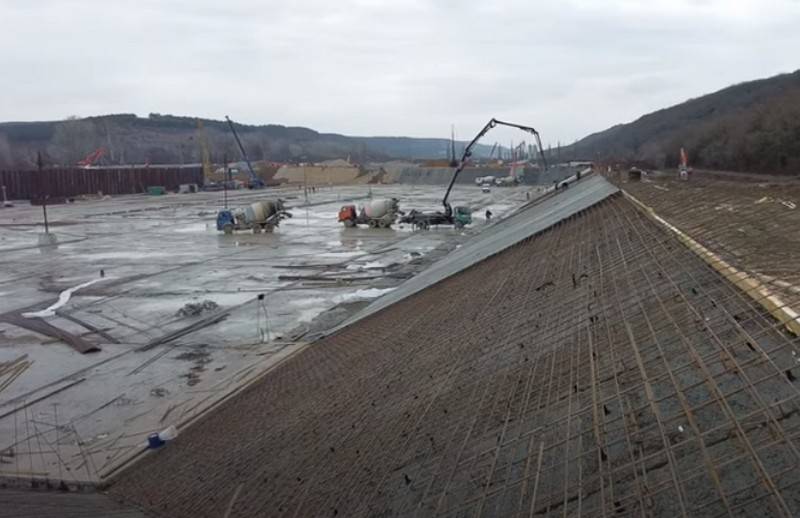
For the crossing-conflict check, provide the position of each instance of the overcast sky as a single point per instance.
(371, 67)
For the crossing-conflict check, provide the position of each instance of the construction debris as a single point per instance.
(10, 371)
(43, 327)
(193, 309)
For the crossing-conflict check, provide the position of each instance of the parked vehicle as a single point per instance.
(257, 217)
(506, 181)
(459, 217)
(381, 213)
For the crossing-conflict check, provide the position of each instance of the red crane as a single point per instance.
(92, 157)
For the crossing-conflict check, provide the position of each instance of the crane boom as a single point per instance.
(255, 181)
(468, 152)
(92, 157)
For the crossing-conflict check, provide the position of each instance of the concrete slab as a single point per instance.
(158, 254)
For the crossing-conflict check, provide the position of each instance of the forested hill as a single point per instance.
(157, 138)
(752, 126)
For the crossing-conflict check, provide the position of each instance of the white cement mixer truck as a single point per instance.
(380, 213)
(259, 216)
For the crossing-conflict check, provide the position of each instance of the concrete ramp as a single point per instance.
(531, 220)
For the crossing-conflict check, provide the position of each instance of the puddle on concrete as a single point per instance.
(195, 228)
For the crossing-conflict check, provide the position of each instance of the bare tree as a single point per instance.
(73, 139)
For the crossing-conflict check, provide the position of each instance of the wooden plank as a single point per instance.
(38, 325)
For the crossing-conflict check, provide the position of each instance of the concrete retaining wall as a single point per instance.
(417, 175)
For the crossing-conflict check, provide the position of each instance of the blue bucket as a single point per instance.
(154, 441)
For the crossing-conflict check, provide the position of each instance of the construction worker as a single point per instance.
(488, 215)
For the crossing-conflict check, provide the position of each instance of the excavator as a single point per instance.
(460, 216)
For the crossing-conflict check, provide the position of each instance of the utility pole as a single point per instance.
(39, 167)
(225, 180)
(453, 162)
(305, 184)
(6, 203)
(47, 238)
(44, 210)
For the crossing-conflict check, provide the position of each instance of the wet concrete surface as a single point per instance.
(78, 417)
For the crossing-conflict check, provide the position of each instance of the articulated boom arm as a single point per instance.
(468, 152)
(253, 176)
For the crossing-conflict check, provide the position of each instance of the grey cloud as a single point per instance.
(379, 67)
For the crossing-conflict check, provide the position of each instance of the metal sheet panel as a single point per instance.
(26, 185)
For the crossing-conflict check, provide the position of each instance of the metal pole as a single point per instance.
(225, 181)
(44, 209)
(39, 165)
(305, 184)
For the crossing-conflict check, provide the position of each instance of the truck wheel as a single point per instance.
(458, 225)
(384, 224)
(256, 229)
(269, 228)
(227, 228)
(349, 223)
(373, 223)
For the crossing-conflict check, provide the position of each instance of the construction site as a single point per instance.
(576, 341)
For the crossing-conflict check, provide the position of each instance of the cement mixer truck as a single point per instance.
(380, 213)
(259, 216)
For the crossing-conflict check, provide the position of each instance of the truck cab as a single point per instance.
(462, 216)
(347, 215)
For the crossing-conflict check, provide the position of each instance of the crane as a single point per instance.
(468, 152)
(92, 157)
(255, 181)
(519, 152)
(463, 215)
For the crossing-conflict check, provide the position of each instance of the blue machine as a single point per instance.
(225, 221)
